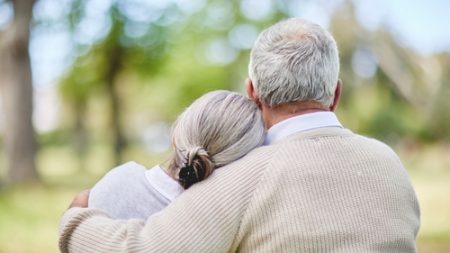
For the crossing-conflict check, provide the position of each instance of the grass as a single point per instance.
(29, 217)
(429, 168)
(30, 213)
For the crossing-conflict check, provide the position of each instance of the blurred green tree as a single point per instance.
(100, 69)
(407, 88)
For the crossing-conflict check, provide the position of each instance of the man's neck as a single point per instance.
(274, 115)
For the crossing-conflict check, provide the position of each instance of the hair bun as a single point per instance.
(194, 152)
(198, 167)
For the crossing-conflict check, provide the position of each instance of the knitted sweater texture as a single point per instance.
(324, 190)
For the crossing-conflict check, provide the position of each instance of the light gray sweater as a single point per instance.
(324, 190)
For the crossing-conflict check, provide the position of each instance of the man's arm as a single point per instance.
(205, 218)
(91, 230)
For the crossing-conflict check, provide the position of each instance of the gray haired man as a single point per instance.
(314, 187)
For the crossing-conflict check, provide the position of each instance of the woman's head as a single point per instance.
(218, 128)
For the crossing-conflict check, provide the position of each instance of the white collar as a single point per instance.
(301, 123)
(163, 183)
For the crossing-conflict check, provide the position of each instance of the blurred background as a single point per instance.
(86, 85)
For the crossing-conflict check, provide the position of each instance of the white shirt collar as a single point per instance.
(163, 183)
(301, 123)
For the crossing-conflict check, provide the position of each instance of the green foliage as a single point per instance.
(82, 82)
(439, 120)
(392, 120)
(58, 138)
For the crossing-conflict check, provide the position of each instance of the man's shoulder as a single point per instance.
(342, 135)
(329, 142)
(375, 144)
(367, 147)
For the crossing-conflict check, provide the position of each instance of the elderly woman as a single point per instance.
(218, 128)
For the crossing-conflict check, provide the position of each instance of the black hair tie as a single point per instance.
(187, 176)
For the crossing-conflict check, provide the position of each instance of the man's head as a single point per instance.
(294, 61)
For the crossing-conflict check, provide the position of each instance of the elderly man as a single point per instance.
(314, 187)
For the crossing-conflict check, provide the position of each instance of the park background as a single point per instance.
(88, 84)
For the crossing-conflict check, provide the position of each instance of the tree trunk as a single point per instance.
(17, 95)
(115, 61)
(80, 140)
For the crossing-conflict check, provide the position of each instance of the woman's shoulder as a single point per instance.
(129, 168)
(122, 176)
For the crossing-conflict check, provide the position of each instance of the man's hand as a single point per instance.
(81, 199)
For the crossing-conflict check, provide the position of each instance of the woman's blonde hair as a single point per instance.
(217, 129)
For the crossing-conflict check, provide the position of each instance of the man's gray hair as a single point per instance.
(294, 60)
(217, 129)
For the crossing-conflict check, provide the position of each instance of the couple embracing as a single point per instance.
(271, 172)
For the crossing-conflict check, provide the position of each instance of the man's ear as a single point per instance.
(250, 89)
(337, 96)
(251, 93)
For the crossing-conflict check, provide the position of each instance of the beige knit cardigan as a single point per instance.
(325, 190)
